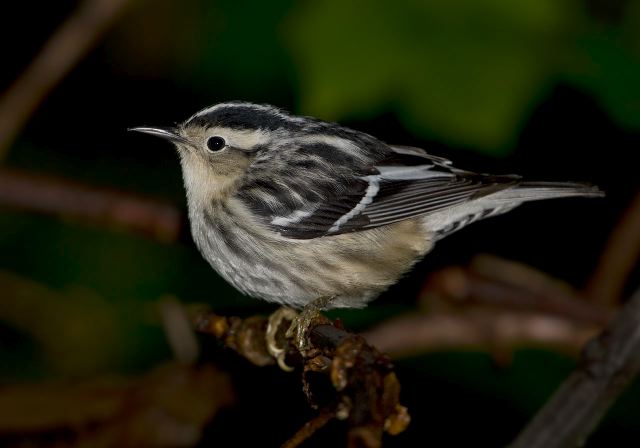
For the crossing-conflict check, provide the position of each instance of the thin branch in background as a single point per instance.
(494, 331)
(609, 364)
(65, 48)
(179, 331)
(45, 194)
(498, 283)
(494, 305)
(619, 258)
(523, 276)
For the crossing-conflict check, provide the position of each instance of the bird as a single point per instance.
(296, 210)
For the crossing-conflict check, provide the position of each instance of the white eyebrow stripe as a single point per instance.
(240, 138)
(371, 192)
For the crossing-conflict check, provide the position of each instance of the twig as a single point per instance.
(73, 39)
(310, 428)
(490, 281)
(178, 330)
(618, 258)
(71, 199)
(609, 363)
(365, 389)
(497, 331)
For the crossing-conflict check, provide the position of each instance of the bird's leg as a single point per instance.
(300, 324)
(273, 325)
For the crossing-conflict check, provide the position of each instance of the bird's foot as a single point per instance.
(300, 324)
(273, 326)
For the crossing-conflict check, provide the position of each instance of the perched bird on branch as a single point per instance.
(293, 209)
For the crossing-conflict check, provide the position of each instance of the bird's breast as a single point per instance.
(355, 267)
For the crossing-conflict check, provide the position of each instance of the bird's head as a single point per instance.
(219, 143)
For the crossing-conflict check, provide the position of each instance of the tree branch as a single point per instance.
(618, 258)
(609, 363)
(45, 194)
(494, 331)
(505, 284)
(71, 41)
(343, 375)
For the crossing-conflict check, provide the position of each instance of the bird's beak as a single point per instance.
(170, 134)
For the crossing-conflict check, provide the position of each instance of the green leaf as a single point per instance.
(607, 65)
(467, 72)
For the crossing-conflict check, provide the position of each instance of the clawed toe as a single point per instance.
(299, 328)
(297, 331)
(273, 325)
(300, 325)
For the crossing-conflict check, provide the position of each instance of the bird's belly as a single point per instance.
(353, 267)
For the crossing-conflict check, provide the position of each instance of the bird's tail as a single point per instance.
(532, 191)
(504, 200)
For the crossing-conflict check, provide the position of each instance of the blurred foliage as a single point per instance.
(468, 72)
(167, 407)
(465, 71)
(226, 49)
(607, 64)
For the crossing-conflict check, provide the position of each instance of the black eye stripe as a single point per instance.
(215, 143)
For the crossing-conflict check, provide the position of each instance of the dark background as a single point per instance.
(544, 88)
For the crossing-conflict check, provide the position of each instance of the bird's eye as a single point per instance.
(216, 143)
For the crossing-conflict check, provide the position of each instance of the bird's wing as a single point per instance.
(406, 183)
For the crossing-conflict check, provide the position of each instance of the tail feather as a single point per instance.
(532, 191)
(448, 222)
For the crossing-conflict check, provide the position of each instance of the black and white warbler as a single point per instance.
(291, 209)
